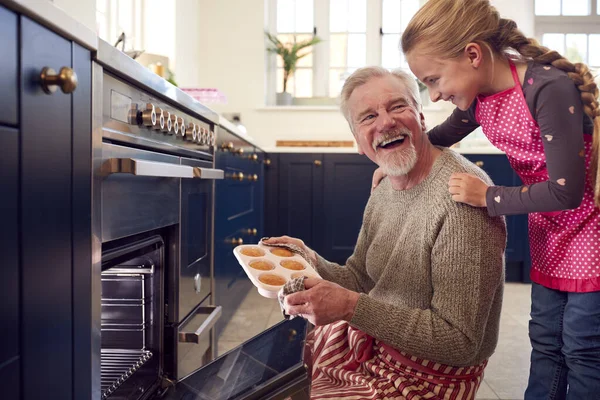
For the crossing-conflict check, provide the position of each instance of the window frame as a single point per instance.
(588, 24)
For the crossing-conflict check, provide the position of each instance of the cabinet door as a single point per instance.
(346, 189)
(46, 221)
(9, 375)
(8, 67)
(301, 198)
(9, 244)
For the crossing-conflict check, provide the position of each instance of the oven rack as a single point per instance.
(118, 365)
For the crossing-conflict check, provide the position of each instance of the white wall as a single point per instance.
(232, 59)
(220, 44)
(83, 11)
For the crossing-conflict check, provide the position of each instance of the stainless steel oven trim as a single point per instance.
(158, 169)
(204, 328)
(96, 284)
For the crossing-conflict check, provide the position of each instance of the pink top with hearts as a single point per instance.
(564, 244)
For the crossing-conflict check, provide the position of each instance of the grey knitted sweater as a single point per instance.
(430, 271)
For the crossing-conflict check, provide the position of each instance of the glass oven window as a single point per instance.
(261, 366)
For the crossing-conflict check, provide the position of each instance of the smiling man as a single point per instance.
(415, 311)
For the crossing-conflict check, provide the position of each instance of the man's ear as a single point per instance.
(423, 124)
(474, 54)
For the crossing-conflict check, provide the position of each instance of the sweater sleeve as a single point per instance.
(467, 266)
(353, 275)
(455, 128)
(559, 114)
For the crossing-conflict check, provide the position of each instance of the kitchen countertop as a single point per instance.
(56, 19)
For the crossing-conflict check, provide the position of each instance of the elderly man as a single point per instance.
(415, 311)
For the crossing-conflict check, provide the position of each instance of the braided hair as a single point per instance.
(480, 22)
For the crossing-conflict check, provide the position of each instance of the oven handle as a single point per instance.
(194, 337)
(138, 167)
(208, 173)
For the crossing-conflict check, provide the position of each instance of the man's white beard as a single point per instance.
(400, 162)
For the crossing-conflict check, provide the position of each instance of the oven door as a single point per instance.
(268, 366)
(194, 275)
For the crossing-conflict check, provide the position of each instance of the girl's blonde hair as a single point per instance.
(445, 27)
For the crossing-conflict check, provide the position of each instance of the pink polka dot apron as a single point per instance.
(564, 244)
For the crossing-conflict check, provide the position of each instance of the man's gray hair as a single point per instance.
(363, 75)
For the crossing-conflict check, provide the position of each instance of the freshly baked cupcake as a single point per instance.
(292, 264)
(272, 279)
(252, 252)
(280, 252)
(262, 265)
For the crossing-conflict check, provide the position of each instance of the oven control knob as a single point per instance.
(160, 119)
(168, 122)
(252, 231)
(197, 283)
(149, 116)
(200, 133)
(204, 136)
(182, 128)
(175, 124)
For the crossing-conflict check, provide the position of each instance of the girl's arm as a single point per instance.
(559, 114)
(456, 127)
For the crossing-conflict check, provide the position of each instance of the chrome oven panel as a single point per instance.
(132, 204)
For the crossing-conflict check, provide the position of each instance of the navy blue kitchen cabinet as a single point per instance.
(9, 205)
(9, 67)
(320, 199)
(239, 218)
(517, 245)
(45, 141)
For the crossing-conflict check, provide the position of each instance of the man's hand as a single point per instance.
(468, 189)
(378, 176)
(297, 242)
(322, 302)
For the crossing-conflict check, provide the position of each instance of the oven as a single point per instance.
(153, 310)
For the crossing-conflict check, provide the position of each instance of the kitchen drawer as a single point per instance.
(8, 67)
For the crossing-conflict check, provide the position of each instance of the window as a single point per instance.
(355, 33)
(347, 41)
(396, 15)
(295, 23)
(114, 17)
(571, 27)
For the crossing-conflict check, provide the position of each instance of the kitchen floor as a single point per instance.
(505, 376)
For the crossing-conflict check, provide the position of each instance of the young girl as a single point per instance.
(542, 111)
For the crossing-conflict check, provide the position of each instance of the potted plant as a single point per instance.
(290, 53)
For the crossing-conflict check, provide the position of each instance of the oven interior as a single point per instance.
(131, 345)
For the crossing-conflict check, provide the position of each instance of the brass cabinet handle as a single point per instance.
(235, 242)
(227, 146)
(237, 176)
(66, 79)
(479, 163)
(238, 151)
(252, 231)
(253, 178)
(267, 162)
(318, 163)
(253, 157)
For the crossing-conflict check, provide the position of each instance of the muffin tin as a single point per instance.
(262, 265)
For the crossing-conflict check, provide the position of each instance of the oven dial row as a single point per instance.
(163, 121)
